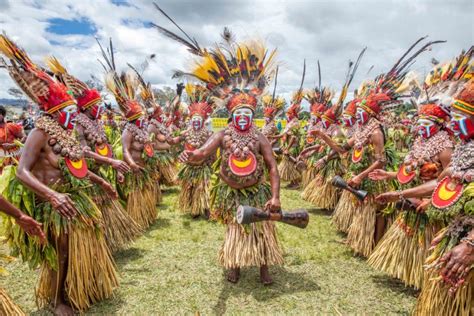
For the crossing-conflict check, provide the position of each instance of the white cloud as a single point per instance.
(331, 31)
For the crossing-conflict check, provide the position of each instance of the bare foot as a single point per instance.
(265, 276)
(195, 216)
(207, 214)
(63, 310)
(233, 275)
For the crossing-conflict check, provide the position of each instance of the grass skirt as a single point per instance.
(287, 170)
(91, 275)
(434, 298)
(402, 251)
(308, 175)
(321, 193)
(142, 198)
(361, 235)
(250, 245)
(7, 306)
(345, 210)
(194, 195)
(166, 168)
(118, 226)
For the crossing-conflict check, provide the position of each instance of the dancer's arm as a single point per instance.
(267, 153)
(62, 203)
(201, 154)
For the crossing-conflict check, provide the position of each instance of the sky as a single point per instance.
(331, 31)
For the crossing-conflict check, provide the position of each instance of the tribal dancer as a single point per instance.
(403, 250)
(119, 227)
(194, 178)
(320, 192)
(272, 108)
(290, 140)
(140, 188)
(448, 287)
(369, 153)
(245, 152)
(9, 134)
(32, 228)
(77, 266)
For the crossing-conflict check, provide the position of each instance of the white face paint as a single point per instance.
(242, 118)
(67, 116)
(196, 122)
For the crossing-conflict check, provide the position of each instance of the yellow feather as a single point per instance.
(54, 65)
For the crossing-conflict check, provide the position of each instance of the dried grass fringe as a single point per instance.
(194, 198)
(321, 193)
(7, 306)
(91, 276)
(141, 204)
(287, 170)
(308, 175)
(167, 173)
(258, 247)
(345, 211)
(119, 228)
(362, 230)
(435, 299)
(402, 256)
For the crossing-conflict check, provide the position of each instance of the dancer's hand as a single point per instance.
(273, 205)
(136, 168)
(319, 164)
(387, 197)
(421, 208)
(63, 204)
(31, 227)
(109, 189)
(457, 262)
(379, 175)
(355, 182)
(185, 156)
(120, 177)
(120, 166)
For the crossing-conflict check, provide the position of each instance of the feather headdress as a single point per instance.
(49, 94)
(236, 73)
(85, 96)
(387, 88)
(123, 86)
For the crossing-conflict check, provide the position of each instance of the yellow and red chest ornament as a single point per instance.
(447, 192)
(78, 168)
(357, 154)
(105, 150)
(405, 174)
(240, 147)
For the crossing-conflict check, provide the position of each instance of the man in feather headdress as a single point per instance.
(53, 177)
(9, 133)
(236, 77)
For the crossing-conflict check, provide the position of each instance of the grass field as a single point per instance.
(173, 269)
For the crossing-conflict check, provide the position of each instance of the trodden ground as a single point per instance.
(173, 269)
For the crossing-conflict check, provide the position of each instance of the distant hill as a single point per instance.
(12, 102)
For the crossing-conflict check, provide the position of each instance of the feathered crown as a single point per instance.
(297, 97)
(464, 100)
(147, 96)
(235, 73)
(122, 86)
(85, 96)
(272, 104)
(49, 94)
(335, 111)
(389, 86)
(320, 97)
(198, 96)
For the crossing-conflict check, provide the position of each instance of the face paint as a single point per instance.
(140, 122)
(242, 118)
(97, 110)
(325, 123)
(426, 128)
(462, 126)
(67, 115)
(196, 122)
(348, 120)
(362, 116)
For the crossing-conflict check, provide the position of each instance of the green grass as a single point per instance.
(173, 269)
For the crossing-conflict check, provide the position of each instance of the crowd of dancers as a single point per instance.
(395, 164)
